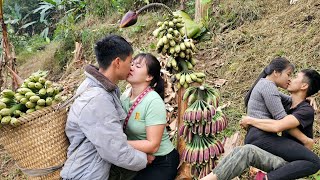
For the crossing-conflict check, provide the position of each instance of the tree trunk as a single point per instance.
(8, 58)
(182, 4)
(184, 169)
(201, 10)
(4, 44)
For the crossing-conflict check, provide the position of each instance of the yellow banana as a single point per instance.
(182, 79)
(193, 77)
(173, 63)
(188, 79)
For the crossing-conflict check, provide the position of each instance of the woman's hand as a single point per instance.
(150, 158)
(246, 121)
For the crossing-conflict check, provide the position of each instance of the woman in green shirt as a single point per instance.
(145, 128)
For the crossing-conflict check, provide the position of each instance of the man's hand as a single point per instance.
(245, 121)
(150, 158)
(309, 143)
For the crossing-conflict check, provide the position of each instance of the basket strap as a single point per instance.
(40, 172)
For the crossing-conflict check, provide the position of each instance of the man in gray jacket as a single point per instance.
(94, 125)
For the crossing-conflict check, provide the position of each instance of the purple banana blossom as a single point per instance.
(129, 19)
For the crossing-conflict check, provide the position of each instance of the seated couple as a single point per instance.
(269, 112)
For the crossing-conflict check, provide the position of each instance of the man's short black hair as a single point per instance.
(111, 47)
(312, 77)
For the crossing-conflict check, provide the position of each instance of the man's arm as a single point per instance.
(100, 122)
(270, 125)
(289, 123)
(306, 141)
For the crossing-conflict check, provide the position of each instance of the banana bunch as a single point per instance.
(204, 122)
(186, 132)
(207, 93)
(201, 150)
(198, 172)
(189, 77)
(201, 153)
(199, 113)
(173, 25)
(171, 41)
(177, 49)
(175, 63)
(35, 93)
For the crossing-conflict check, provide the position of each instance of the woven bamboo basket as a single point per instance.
(39, 142)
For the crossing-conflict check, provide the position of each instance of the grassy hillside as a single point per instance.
(262, 30)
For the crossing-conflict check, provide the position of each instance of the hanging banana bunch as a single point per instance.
(186, 77)
(180, 50)
(203, 121)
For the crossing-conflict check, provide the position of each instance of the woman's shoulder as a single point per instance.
(154, 96)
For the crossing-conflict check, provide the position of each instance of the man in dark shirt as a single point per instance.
(304, 113)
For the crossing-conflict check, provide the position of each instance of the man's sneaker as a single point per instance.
(260, 176)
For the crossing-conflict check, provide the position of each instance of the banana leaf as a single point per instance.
(194, 29)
